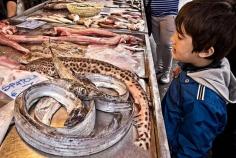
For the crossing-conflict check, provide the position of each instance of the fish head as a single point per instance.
(95, 93)
(75, 117)
(80, 91)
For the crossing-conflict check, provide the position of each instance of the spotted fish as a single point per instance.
(83, 66)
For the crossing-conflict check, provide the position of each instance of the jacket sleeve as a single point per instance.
(195, 127)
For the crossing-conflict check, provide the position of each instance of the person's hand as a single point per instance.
(176, 71)
(11, 9)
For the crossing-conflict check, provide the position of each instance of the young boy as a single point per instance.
(194, 107)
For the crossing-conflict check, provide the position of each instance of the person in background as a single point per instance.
(163, 13)
(8, 8)
(31, 3)
(20, 7)
(195, 105)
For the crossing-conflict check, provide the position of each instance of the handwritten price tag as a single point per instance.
(14, 88)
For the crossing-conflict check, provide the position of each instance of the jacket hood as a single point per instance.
(221, 80)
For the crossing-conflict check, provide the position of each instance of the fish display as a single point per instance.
(81, 120)
(79, 136)
(90, 91)
(55, 18)
(6, 28)
(81, 125)
(8, 42)
(63, 49)
(76, 36)
(93, 95)
(78, 39)
(6, 115)
(88, 31)
(45, 109)
(122, 20)
(122, 56)
(113, 87)
(7, 63)
(83, 66)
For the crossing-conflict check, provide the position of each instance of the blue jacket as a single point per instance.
(195, 112)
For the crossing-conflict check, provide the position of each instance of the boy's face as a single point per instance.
(182, 48)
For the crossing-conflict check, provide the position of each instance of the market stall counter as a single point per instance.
(87, 92)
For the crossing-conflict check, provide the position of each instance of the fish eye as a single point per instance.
(83, 91)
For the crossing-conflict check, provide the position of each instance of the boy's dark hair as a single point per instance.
(210, 24)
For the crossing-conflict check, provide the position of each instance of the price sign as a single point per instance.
(14, 88)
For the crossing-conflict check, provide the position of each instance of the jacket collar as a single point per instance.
(190, 68)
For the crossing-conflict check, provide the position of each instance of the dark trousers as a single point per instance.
(225, 144)
(32, 3)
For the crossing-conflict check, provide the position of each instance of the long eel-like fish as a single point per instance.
(80, 121)
(83, 66)
(90, 88)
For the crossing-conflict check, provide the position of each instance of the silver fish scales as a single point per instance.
(83, 66)
(55, 140)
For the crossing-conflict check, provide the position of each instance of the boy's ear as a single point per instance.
(206, 53)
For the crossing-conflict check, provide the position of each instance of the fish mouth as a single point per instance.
(76, 116)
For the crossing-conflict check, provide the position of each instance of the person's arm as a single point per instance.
(198, 129)
(191, 124)
(11, 8)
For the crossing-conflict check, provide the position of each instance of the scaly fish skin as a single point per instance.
(76, 116)
(81, 120)
(83, 66)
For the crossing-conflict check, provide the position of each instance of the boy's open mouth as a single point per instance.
(173, 50)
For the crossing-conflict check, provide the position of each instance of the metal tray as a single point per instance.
(39, 10)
